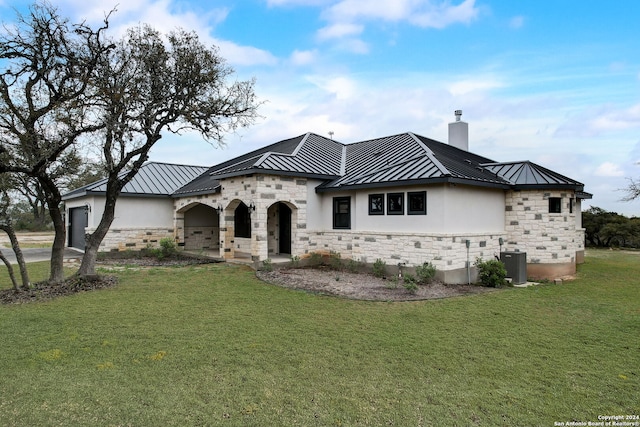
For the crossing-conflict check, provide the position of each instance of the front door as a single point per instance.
(284, 225)
(78, 221)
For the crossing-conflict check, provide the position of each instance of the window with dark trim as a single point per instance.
(395, 203)
(417, 203)
(342, 212)
(555, 205)
(242, 220)
(571, 203)
(376, 204)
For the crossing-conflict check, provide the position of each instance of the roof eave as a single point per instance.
(440, 180)
(255, 171)
(196, 192)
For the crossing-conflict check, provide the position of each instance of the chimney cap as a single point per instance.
(458, 113)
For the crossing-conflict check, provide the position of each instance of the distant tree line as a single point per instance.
(608, 229)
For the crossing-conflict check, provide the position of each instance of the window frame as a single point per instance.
(555, 205)
(338, 217)
(380, 198)
(411, 195)
(395, 198)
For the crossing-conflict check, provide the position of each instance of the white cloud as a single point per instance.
(303, 57)
(516, 22)
(462, 87)
(423, 13)
(339, 30)
(165, 15)
(601, 120)
(608, 169)
(244, 55)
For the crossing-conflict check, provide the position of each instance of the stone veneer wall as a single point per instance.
(447, 252)
(200, 237)
(263, 191)
(552, 241)
(132, 238)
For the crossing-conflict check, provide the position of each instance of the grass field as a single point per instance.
(211, 345)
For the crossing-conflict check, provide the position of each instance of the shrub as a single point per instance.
(409, 283)
(315, 259)
(168, 246)
(379, 268)
(167, 249)
(425, 272)
(353, 265)
(295, 261)
(492, 273)
(267, 265)
(335, 260)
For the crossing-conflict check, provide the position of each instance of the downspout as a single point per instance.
(468, 244)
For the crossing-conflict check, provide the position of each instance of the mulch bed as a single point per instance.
(43, 291)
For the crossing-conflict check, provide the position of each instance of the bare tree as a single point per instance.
(49, 66)
(632, 190)
(6, 225)
(149, 86)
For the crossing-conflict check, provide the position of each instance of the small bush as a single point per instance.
(379, 268)
(168, 246)
(315, 259)
(353, 265)
(267, 265)
(295, 261)
(335, 260)
(425, 272)
(492, 273)
(409, 283)
(167, 249)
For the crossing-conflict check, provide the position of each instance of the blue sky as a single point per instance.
(554, 82)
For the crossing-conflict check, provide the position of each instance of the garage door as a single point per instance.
(77, 224)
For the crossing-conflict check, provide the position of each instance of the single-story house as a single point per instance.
(403, 199)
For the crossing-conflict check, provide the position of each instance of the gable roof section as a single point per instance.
(308, 155)
(152, 180)
(411, 159)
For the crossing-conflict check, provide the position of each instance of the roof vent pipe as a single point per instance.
(459, 132)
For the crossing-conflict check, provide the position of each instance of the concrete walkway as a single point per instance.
(38, 254)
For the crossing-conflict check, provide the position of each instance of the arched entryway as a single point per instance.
(201, 228)
(280, 227)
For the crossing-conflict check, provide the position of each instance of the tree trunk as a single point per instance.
(56, 273)
(10, 270)
(8, 228)
(93, 240)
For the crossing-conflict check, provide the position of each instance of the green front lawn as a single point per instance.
(212, 345)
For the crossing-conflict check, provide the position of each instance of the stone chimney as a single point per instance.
(459, 132)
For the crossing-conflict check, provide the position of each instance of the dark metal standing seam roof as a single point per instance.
(409, 158)
(153, 179)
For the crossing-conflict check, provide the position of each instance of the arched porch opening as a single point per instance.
(201, 228)
(281, 218)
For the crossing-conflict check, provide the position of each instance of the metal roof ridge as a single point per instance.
(268, 154)
(430, 154)
(301, 143)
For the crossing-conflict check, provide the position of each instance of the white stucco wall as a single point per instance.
(130, 212)
(450, 210)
